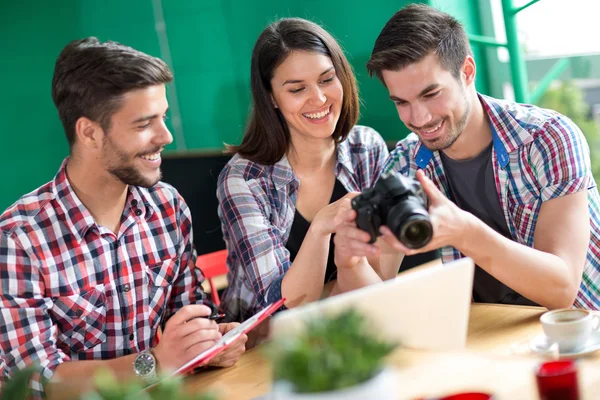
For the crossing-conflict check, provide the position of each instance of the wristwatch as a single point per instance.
(144, 366)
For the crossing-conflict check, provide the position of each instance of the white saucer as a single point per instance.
(540, 345)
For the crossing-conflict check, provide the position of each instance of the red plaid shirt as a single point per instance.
(73, 290)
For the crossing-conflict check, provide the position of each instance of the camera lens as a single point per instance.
(410, 223)
(416, 231)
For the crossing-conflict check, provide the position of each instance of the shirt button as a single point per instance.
(138, 212)
(126, 287)
(134, 202)
(131, 337)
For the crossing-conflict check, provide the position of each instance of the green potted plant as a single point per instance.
(17, 388)
(108, 388)
(336, 357)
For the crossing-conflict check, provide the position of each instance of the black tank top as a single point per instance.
(300, 227)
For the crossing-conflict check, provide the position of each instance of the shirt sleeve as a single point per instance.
(251, 237)
(187, 286)
(379, 156)
(398, 160)
(560, 157)
(27, 332)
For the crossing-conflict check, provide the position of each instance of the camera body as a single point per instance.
(399, 203)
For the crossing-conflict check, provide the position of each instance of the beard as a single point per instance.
(454, 132)
(120, 166)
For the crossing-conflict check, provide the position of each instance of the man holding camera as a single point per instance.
(508, 185)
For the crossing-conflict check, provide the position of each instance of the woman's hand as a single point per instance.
(328, 219)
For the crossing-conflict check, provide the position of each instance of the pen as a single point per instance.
(216, 316)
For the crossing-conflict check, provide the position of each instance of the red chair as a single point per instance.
(213, 265)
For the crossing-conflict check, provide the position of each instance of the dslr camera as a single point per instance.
(399, 203)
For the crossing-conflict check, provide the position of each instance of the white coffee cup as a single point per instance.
(569, 328)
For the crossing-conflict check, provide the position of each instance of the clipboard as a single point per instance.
(229, 338)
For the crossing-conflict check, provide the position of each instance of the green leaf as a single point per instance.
(107, 387)
(334, 352)
(17, 388)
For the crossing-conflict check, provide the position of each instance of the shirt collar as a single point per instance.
(78, 218)
(139, 198)
(344, 157)
(282, 173)
(508, 133)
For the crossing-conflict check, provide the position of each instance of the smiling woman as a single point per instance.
(308, 94)
(300, 162)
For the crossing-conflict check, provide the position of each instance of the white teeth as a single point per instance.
(434, 129)
(318, 115)
(151, 157)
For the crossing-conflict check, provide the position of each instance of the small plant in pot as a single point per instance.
(336, 357)
(106, 388)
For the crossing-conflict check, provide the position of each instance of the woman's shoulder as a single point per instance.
(240, 167)
(364, 136)
(363, 140)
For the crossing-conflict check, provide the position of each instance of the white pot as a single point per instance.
(381, 387)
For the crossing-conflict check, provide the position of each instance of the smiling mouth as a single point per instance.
(318, 115)
(153, 156)
(432, 131)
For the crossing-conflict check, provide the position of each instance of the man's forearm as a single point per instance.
(72, 378)
(540, 276)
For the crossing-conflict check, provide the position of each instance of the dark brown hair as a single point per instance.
(412, 34)
(267, 136)
(91, 77)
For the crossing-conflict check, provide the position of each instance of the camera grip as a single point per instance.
(369, 221)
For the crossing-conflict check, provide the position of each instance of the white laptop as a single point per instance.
(423, 308)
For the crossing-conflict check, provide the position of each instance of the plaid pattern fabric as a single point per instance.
(72, 290)
(256, 207)
(537, 155)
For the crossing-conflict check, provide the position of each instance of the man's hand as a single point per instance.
(235, 350)
(351, 243)
(450, 223)
(186, 335)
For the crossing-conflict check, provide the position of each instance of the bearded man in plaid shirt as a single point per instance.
(509, 184)
(95, 261)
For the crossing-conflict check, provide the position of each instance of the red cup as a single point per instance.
(469, 396)
(464, 396)
(557, 380)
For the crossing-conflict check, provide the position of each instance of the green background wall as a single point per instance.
(210, 44)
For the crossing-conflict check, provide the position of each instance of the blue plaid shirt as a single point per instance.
(537, 155)
(257, 204)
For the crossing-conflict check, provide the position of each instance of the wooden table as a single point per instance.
(495, 360)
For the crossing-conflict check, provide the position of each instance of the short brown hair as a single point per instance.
(91, 77)
(267, 137)
(412, 34)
